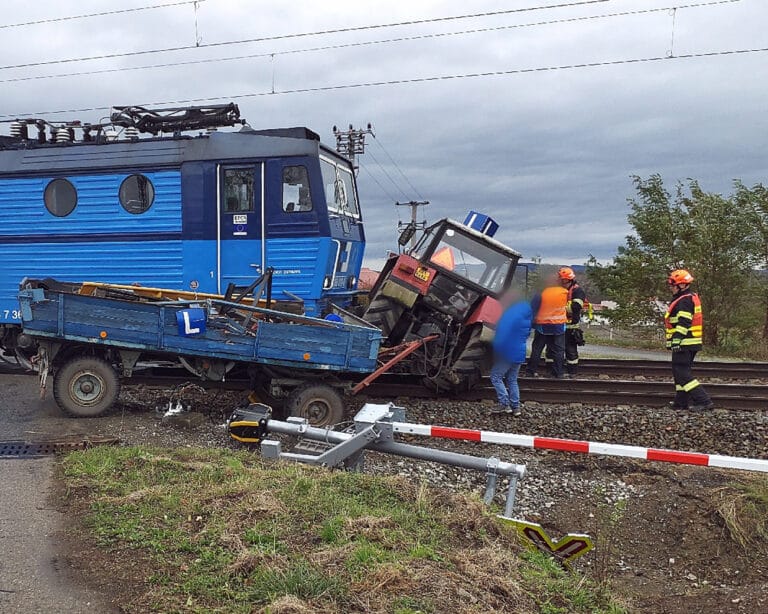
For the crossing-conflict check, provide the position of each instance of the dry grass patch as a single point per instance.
(227, 533)
(743, 507)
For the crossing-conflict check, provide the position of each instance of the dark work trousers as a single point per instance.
(555, 345)
(571, 353)
(687, 388)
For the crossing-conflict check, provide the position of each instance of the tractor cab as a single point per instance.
(444, 289)
(467, 256)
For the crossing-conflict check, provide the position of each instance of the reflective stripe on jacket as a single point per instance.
(576, 298)
(552, 309)
(684, 322)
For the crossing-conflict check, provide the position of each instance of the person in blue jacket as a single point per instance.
(509, 345)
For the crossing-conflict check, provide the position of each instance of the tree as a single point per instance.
(703, 232)
(754, 203)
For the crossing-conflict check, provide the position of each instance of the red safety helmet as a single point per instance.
(680, 276)
(566, 273)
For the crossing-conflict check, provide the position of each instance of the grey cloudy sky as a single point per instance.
(548, 154)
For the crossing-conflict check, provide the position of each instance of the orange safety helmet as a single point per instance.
(680, 276)
(566, 273)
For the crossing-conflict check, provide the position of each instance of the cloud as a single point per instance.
(549, 155)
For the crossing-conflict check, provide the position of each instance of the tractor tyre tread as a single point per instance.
(383, 313)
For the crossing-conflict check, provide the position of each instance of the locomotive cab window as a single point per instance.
(339, 188)
(60, 197)
(238, 190)
(137, 194)
(296, 195)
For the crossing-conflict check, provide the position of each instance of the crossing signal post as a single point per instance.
(414, 224)
(351, 143)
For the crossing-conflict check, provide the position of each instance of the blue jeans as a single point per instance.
(504, 380)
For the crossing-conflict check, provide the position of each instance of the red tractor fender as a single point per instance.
(487, 313)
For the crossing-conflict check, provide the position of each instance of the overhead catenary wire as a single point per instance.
(276, 37)
(386, 192)
(338, 46)
(397, 166)
(134, 9)
(413, 80)
(398, 187)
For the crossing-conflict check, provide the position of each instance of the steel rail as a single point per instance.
(545, 390)
(615, 392)
(661, 368)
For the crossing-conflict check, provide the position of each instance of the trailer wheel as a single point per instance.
(383, 313)
(86, 387)
(318, 403)
(472, 360)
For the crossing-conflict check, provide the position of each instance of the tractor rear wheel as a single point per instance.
(472, 359)
(318, 403)
(383, 313)
(86, 387)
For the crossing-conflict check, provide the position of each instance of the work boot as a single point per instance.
(702, 406)
(676, 405)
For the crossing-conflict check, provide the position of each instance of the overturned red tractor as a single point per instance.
(446, 289)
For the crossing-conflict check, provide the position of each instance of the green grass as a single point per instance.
(217, 531)
(728, 350)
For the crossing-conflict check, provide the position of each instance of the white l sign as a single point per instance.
(188, 330)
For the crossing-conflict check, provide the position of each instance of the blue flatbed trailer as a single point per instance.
(88, 343)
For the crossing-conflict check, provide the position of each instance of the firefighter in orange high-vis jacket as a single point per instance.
(683, 323)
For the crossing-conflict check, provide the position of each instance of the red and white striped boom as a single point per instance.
(584, 447)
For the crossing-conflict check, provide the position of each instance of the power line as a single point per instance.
(387, 193)
(433, 78)
(305, 34)
(102, 14)
(368, 43)
(387, 175)
(397, 166)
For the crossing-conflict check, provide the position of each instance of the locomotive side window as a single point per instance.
(296, 196)
(60, 197)
(238, 190)
(136, 194)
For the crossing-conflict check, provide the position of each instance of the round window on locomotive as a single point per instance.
(60, 197)
(136, 194)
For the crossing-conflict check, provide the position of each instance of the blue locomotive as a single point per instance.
(173, 210)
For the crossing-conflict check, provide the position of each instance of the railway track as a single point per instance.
(613, 391)
(660, 368)
(586, 391)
